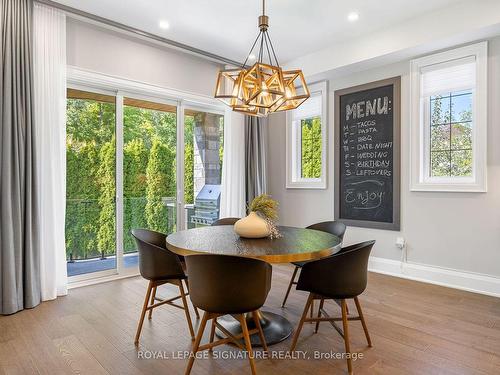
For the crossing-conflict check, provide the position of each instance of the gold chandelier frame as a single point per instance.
(264, 87)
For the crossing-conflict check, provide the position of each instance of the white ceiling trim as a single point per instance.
(228, 27)
(110, 24)
(421, 35)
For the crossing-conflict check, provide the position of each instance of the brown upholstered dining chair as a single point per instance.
(160, 266)
(339, 277)
(334, 227)
(226, 221)
(222, 285)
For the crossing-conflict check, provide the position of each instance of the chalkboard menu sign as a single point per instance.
(367, 150)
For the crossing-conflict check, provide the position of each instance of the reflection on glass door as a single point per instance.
(90, 183)
(149, 170)
(203, 150)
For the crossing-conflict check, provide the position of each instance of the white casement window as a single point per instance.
(306, 134)
(449, 120)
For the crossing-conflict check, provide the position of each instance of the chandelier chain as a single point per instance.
(268, 52)
(272, 48)
(251, 49)
(261, 47)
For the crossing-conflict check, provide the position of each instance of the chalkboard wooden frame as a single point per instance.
(396, 83)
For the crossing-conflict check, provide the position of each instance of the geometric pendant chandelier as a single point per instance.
(264, 87)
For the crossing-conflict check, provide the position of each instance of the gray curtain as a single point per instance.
(255, 156)
(19, 251)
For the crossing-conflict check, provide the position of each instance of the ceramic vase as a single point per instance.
(252, 226)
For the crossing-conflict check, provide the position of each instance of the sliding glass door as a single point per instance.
(90, 183)
(135, 162)
(149, 170)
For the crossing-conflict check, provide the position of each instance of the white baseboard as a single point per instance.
(471, 282)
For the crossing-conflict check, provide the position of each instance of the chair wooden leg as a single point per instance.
(338, 302)
(143, 313)
(196, 344)
(319, 314)
(186, 309)
(363, 323)
(345, 327)
(212, 331)
(153, 295)
(194, 307)
(248, 344)
(290, 286)
(255, 316)
(301, 322)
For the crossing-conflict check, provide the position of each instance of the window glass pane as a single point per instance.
(440, 163)
(461, 107)
(90, 182)
(451, 134)
(461, 136)
(310, 129)
(461, 163)
(149, 172)
(440, 137)
(440, 110)
(203, 155)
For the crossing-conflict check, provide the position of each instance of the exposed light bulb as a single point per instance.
(264, 89)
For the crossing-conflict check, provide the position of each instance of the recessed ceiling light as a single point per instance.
(164, 25)
(353, 16)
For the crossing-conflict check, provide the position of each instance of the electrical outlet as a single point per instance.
(400, 243)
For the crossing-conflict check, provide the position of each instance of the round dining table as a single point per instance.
(294, 245)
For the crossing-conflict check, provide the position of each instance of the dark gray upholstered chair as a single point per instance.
(160, 266)
(334, 227)
(221, 285)
(339, 277)
(226, 221)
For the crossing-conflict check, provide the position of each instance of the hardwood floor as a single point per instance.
(416, 328)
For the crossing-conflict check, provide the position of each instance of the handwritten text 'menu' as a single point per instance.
(379, 106)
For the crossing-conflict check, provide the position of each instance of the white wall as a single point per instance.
(459, 231)
(105, 51)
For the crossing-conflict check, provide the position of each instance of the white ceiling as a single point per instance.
(229, 27)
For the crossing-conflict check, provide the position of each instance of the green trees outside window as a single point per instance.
(90, 178)
(451, 134)
(311, 147)
(149, 169)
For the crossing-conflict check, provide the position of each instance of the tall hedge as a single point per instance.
(160, 183)
(106, 238)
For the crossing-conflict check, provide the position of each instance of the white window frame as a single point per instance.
(293, 145)
(420, 143)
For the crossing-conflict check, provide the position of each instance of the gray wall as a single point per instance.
(452, 230)
(106, 51)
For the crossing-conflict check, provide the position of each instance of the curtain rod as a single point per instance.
(133, 30)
